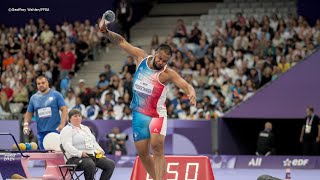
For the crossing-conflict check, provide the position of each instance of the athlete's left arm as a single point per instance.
(64, 111)
(182, 84)
(64, 114)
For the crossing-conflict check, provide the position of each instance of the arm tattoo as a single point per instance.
(114, 37)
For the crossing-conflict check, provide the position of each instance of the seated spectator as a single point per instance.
(103, 83)
(199, 114)
(241, 41)
(266, 76)
(4, 103)
(82, 148)
(129, 67)
(211, 112)
(7, 60)
(220, 49)
(112, 91)
(180, 29)
(116, 87)
(108, 73)
(46, 71)
(201, 49)
(283, 65)
(108, 114)
(126, 98)
(4, 114)
(20, 93)
(92, 110)
(118, 108)
(8, 90)
(183, 47)
(80, 107)
(170, 112)
(70, 99)
(80, 89)
(266, 141)
(195, 34)
(127, 113)
(185, 112)
(107, 106)
(46, 35)
(127, 83)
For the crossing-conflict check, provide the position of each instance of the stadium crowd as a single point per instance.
(226, 67)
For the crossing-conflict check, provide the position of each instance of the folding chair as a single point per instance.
(71, 168)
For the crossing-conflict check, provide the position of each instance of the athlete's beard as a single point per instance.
(44, 90)
(154, 64)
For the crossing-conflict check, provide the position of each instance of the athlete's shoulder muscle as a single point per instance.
(34, 97)
(136, 52)
(141, 55)
(166, 76)
(174, 77)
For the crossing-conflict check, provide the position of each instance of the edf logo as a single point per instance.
(295, 162)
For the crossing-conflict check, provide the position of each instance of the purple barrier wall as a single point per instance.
(183, 137)
(277, 162)
(245, 162)
(9, 126)
(10, 163)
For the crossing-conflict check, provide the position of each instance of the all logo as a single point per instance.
(255, 162)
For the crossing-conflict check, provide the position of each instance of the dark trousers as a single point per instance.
(125, 28)
(89, 164)
(310, 148)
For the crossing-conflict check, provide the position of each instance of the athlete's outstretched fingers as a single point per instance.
(192, 99)
(102, 25)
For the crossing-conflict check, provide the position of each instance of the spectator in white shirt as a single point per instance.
(127, 114)
(82, 148)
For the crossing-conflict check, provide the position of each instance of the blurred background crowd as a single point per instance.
(226, 64)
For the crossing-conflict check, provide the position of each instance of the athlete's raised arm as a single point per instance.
(118, 40)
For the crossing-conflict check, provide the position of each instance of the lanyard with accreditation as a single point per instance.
(308, 124)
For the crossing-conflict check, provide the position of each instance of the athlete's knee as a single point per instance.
(143, 154)
(157, 148)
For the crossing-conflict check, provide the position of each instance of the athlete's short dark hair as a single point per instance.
(42, 76)
(166, 48)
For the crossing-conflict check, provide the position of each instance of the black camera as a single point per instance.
(119, 137)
